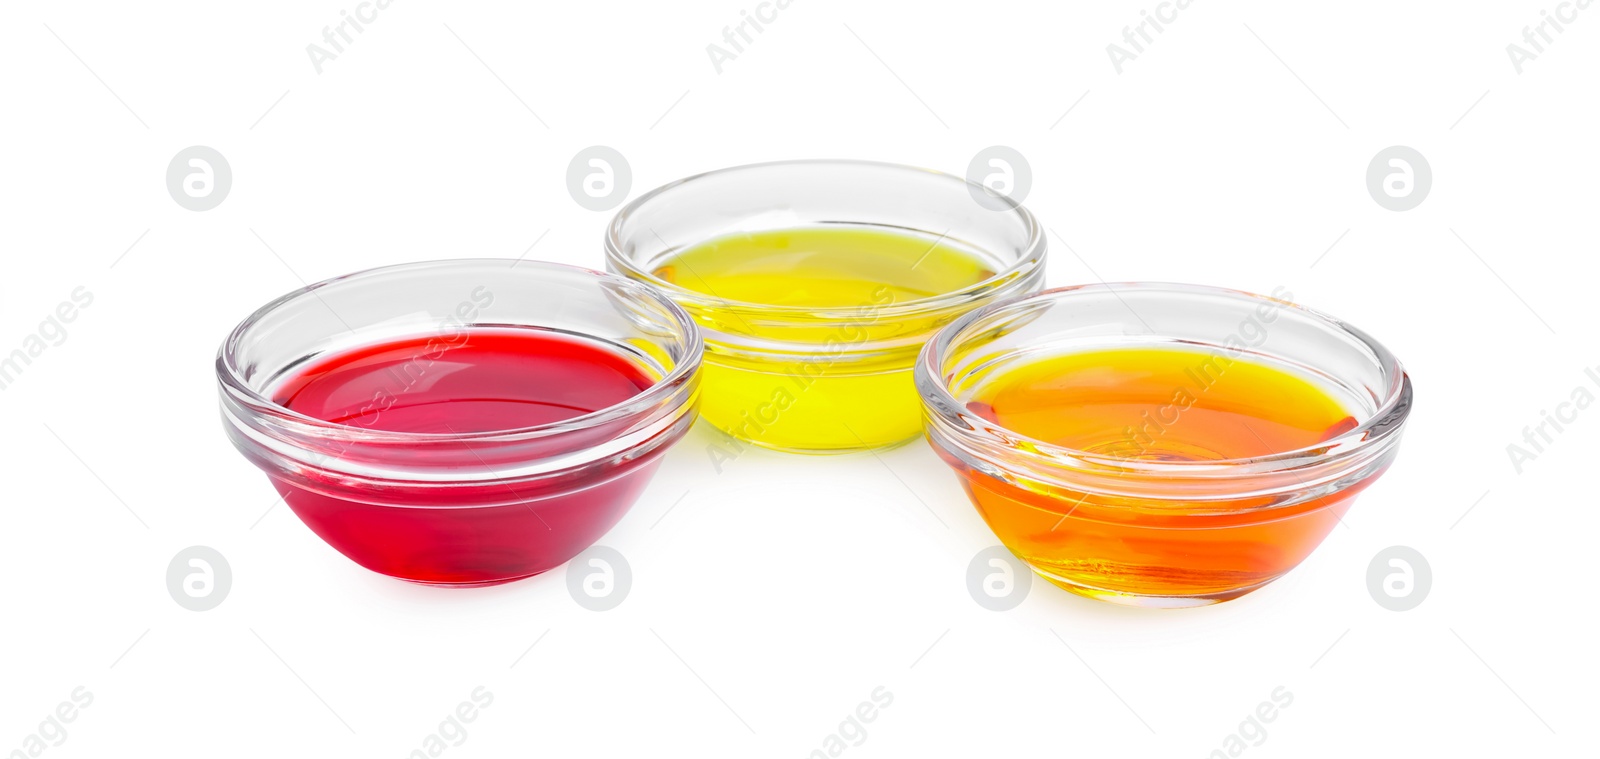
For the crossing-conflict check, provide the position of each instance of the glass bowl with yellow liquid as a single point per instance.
(1161, 445)
(815, 284)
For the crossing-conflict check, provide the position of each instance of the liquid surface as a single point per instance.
(1167, 404)
(474, 381)
(822, 267)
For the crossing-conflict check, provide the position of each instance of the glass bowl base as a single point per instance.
(1148, 601)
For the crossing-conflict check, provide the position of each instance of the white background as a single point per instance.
(775, 596)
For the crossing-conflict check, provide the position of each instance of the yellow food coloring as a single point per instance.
(804, 349)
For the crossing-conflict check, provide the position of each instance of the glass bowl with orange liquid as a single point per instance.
(815, 283)
(1161, 445)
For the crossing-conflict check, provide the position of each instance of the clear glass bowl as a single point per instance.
(822, 380)
(477, 508)
(1150, 532)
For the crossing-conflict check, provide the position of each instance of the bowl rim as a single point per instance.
(1032, 257)
(1385, 421)
(234, 385)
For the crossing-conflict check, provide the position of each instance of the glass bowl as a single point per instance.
(478, 507)
(823, 380)
(1154, 531)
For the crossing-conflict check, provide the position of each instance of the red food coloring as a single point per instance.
(476, 381)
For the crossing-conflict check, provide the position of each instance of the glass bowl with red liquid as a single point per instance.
(1161, 445)
(466, 422)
